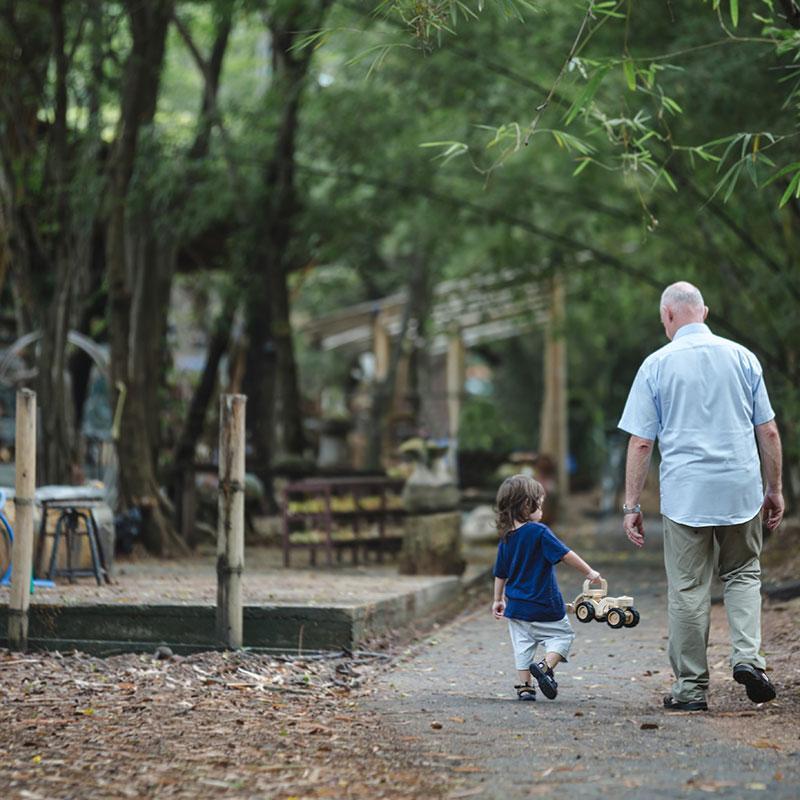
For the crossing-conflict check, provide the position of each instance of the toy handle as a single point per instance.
(603, 584)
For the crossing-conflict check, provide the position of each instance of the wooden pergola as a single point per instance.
(465, 313)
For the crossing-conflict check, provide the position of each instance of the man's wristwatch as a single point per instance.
(637, 509)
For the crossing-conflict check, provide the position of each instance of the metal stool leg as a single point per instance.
(71, 530)
(37, 566)
(94, 546)
(51, 571)
(100, 551)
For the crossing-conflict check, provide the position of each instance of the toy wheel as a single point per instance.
(584, 612)
(615, 618)
(633, 618)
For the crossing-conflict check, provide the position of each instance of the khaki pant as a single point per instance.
(689, 561)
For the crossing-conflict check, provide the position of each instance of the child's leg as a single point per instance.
(557, 640)
(556, 637)
(552, 659)
(524, 645)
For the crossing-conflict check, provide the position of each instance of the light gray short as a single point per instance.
(526, 636)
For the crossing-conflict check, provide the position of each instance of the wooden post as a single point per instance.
(553, 421)
(230, 527)
(22, 551)
(381, 348)
(455, 374)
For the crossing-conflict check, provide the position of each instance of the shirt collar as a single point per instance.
(692, 327)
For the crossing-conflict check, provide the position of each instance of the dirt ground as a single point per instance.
(204, 726)
(142, 580)
(432, 720)
(435, 719)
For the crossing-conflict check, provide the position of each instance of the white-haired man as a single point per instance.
(703, 397)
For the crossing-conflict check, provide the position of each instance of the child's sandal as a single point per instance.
(525, 691)
(545, 678)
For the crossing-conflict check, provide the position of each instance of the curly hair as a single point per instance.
(517, 498)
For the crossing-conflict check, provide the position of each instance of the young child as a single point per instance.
(525, 587)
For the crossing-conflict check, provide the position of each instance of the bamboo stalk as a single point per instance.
(230, 531)
(22, 551)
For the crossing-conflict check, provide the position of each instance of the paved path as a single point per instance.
(605, 735)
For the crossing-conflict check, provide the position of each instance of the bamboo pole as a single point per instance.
(381, 348)
(553, 440)
(455, 375)
(230, 528)
(22, 552)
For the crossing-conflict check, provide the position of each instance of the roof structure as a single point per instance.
(487, 307)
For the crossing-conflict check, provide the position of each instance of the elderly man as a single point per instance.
(703, 397)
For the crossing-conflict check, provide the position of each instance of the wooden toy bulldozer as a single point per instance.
(595, 604)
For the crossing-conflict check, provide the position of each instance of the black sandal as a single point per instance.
(525, 692)
(545, 679)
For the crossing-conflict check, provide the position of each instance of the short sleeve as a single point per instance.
(641, 417)
(500, 566)
(762, 409)
(553, 549)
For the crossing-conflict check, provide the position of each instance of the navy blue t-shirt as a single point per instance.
(526, 560)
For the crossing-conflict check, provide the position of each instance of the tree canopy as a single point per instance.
(289, 158)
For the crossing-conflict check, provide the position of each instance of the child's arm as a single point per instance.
(573, 560)
(499, 604)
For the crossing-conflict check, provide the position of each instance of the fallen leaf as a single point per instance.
(765, 744)
(456, 719)
(437, 726)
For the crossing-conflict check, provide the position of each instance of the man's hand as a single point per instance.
(773, 507)
(633, 525)
(498, 607)
(637, 464)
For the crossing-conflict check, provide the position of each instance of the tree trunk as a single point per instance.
(291, 438)
(183, 460)
(259, 383)
(272, 367)
(137, 311)
(383, 391)
(55, 399)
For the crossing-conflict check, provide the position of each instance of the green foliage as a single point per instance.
(484, 427)
(640, 138)
(609, 140)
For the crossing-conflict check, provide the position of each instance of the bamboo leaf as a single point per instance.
(735, 13)
(630, 74)
(793, 167)
(794, 186)
(668, 178)
(584, 162)
(585, 97)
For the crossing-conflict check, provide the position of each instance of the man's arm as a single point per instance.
(636, 467)
(769, 443)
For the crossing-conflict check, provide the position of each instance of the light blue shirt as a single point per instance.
(700, 396)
